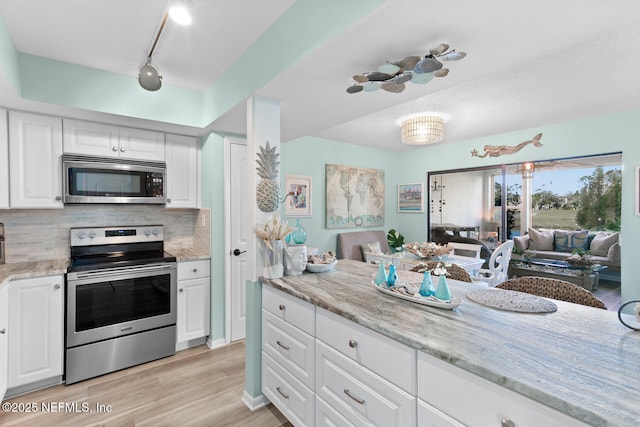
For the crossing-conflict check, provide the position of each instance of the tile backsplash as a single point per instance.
(37, 235)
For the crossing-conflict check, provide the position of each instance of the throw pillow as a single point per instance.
(602, 242)
(521, 242)
(541, 240)
(370, 248)
(568, 241)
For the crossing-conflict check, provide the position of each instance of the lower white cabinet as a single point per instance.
(463, 398)
(36, 327)
(193, 317)
(4, 338)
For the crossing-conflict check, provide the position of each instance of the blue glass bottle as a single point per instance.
(426, 288)
(381, 277)
(442, 291)
(298, 235)
(392, 277)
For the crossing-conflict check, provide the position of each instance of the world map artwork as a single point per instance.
(354, 197)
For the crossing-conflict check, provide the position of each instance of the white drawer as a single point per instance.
(360, 395)
(290, 347)
(194, 269)
(290, 396)
(394, 361)
(428, 416)
(445, 386)
(292, 310)
(326, 416)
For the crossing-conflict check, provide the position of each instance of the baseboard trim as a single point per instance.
(254, 403)
(216, 344)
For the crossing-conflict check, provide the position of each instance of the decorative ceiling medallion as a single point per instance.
(392, 76)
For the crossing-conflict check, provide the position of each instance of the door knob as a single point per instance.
(237, 252)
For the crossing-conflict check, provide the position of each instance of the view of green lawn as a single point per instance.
(561, 219)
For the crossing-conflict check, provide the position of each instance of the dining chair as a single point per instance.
(498, 266)
(465, 249)
(454, 271)
(553, 288)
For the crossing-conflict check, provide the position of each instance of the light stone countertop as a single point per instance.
(24, 270)
(188, 254)
(579, 360)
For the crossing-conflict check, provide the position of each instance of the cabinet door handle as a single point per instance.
(168, 200)
(508, 423)
(122, 149)
(286, 396)
(195, 270)
(281, 307)
(360, 401)
(3, 331)
(353, 343)
(282, 345)
(56, 286)
(114, 149)
(58, 198)
(181, 289)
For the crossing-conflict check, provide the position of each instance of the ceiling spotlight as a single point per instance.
(180, 12)
(149, 76)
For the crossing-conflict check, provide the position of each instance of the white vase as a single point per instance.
(295, 259)
(272, 260)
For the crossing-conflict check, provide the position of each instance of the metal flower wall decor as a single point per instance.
(392, 76)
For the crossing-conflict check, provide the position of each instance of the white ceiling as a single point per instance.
(528, 64)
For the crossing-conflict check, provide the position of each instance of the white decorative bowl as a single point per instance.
(320, 268)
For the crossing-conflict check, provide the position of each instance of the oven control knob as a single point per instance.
(92, 234)
(147, 232)
(156, 231)
(82, 235)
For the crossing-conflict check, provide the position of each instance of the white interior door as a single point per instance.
(239, 234)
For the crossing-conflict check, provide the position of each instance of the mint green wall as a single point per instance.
(308, 156)
(611, 133)
(212, 194)
(9, 58)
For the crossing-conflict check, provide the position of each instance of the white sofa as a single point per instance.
(603, 247)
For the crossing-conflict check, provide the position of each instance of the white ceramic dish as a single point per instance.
(320, 268)
(430, 301)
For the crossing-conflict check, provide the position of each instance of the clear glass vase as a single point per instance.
(272, 255)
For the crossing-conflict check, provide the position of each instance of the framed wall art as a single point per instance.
(298, 202)
(411, 197)
(354, 197)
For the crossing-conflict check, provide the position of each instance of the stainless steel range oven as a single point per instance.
(121, 300)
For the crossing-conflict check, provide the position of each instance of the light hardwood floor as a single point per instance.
(196, 387)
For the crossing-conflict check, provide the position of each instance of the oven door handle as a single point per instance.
(109, 272)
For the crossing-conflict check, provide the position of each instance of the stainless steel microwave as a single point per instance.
(105, 180)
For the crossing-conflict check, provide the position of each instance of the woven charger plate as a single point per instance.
(504, 299)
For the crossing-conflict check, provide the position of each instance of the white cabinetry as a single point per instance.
(367, 378)
(36, 330)
(193, 320)
(4, 338)
(103, 140)
(4, 160)
(288, 375)
(35, 147)
(450, 394)
(183, 170)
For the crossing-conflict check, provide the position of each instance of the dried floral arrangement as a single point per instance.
(427, 249)
(273, 230)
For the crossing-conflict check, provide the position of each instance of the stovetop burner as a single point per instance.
(108, 247)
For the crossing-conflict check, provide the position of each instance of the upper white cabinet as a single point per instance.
(36, 341)
(103, 140)
(182, 171)
(35, 147)
(4, 160)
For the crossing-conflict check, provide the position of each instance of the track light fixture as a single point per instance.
(149, 76)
